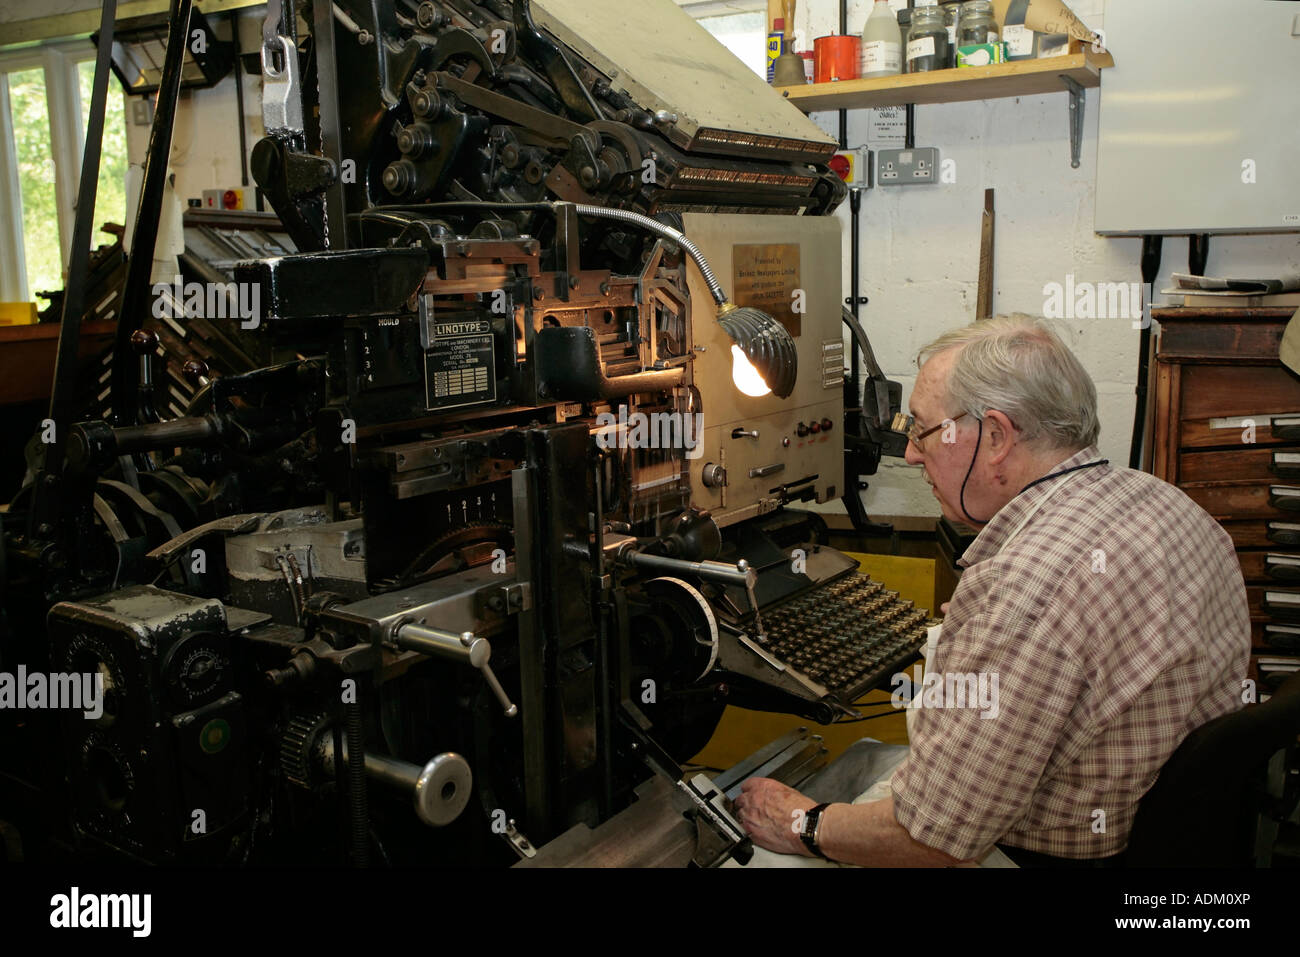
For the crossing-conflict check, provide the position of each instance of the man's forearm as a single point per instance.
(870, 835)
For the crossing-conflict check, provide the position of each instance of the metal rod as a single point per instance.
(435, 642)
(239, 99)
(844, 114)
(63, 388)
(1151, 249)
(148, 215)
(738, 574)
(191, 430)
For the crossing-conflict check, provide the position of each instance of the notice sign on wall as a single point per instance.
(767, 278)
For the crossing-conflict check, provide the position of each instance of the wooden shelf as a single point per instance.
(1021, 78)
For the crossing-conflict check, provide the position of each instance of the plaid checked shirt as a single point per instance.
(1116, 622)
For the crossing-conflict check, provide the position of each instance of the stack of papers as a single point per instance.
(1211, 291)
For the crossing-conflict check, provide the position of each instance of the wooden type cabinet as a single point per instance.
(1227, 432)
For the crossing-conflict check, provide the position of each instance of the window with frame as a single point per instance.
(44, 107)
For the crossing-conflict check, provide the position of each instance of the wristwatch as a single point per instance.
(811, 825)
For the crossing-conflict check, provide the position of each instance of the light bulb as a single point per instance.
(745, 376)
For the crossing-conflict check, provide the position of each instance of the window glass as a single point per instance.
(744, 34)
(110, 197)
(40, 220)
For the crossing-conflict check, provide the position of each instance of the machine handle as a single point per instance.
(466, 647)
(440, 789)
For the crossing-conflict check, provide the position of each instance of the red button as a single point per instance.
(814, 428)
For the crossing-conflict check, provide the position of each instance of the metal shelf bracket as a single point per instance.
(1076, 118)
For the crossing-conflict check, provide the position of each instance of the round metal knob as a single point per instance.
(195, 371)
(443, 789)
(144, 341)
(714, 475)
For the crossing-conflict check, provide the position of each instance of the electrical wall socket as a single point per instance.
(141, 111)
(904, 167)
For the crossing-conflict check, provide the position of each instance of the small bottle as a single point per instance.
(882, 43)
(927, 41)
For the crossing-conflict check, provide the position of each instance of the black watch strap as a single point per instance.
(808, 833)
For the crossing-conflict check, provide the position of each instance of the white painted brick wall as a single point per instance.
(920, 245)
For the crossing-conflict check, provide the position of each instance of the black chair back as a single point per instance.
(1201, 812)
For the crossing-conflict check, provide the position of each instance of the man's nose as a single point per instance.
(913, 455)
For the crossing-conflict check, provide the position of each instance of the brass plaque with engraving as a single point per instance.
(767, 277)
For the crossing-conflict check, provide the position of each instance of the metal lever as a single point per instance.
(738, 574)
(465, 647)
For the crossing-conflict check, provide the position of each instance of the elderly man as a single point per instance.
(1108, 605)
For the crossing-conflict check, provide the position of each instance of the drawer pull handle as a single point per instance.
(1282, 637)
(1282, 567)
(1286, 427)
(1284, 497)
(1285, 465)
(1282, 605)
(1283, 533)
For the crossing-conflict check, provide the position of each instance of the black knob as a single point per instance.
(827, 424)
(194, 371)
(802, 430)
(144, 341)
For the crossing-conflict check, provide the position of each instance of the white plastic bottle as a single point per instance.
(882, 43)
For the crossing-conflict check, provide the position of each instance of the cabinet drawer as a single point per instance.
(1213, 391)
(1218, 333)
(1262, 534)
(1223, 431)
(1270, 567)
(1278, 464)
(1275, 638)
(1242, 500)
(1275, 604)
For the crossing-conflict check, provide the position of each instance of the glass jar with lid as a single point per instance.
(977, 23)
(927, 41)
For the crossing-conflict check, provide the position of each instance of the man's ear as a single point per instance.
(1000, 435)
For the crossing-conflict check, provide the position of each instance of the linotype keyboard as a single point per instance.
(848, 636)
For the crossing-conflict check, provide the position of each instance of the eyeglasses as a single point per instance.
(906, 423)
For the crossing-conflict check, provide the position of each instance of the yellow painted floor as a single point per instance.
(742, 732)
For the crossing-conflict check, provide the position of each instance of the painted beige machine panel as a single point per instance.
(666, 61)
(818, 393)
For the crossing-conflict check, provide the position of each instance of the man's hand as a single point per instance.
(773, 815)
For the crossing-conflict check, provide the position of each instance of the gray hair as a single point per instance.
(1020, 366)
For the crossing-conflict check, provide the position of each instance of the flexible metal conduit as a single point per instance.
(645, 222)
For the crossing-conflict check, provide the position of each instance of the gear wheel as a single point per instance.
(455, 548)
(298, 744)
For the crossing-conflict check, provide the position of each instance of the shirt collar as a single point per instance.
(1008, 518)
